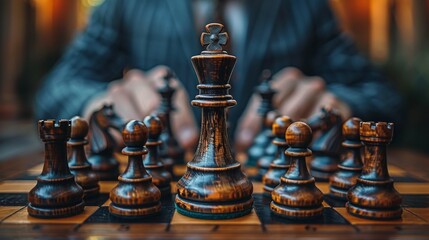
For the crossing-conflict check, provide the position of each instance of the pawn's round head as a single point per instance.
(351, 129)
(79, 127)
(299, 135)
(134, 134)
(271, 117)
(154, 125)
(280, 126)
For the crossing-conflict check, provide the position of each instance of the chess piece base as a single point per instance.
(40, 212)
(378, 214)
(338, 193)
(213, 210)
(136, 212)
(91, 192)
(294, 212)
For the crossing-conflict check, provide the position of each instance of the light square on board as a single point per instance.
(407, 218)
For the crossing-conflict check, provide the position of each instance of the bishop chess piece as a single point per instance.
(297, 195)
(264, 138)
(135, 195)
(78, 163)
(102, 144)
(351, 166)
(214, 186)
(326, 148)
(170, 151)
(280, 164)
(153, 164)
(56, 194)
(374, 195)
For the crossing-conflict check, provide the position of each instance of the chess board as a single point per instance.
(96, 220)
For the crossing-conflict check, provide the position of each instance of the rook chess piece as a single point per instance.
(135, 195)
(297, 195)
(153, 164)
(214, 186)
(351, 166)
(374, 195)
(280, 164)
(78, 163)
(56, 194)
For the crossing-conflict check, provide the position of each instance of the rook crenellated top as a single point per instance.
(376, 132)
(52, 130)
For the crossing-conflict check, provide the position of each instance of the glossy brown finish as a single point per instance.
(102, 144)
(170, 151)
(78, 163)
(152, 162)
(56, 194)
(374, 195)
(135, 195)
(351, 165)
(326, 148)
(297, 195)
(280, 164)
(214, 186)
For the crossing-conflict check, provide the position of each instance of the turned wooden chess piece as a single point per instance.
(78, 163)
(280, 164)
(102, 144)
(214, 187)
(297, 195)
(56, 194)
(152, 162)
(135, 195)
(374, 195)
(259, 147)
(326, 148)
(170, 151)
(351, 166)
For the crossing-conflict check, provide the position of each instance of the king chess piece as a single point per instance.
(297, 195)
(374, 195)
(351, 166)
(135, 195)
(214, 187)
(101, 142)
(56, 194)
(78, 163)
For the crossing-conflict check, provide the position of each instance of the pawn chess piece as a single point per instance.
(280, 164)
(135, 195)
(78, 163)
(297, 195)
(351, 166)
(56, 194)
(170, 151)
(326, 148)
(374, 195)
(102, 144)
(214, 187)
(259, 147)
(153, 164)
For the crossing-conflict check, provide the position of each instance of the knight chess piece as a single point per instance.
(170, 151)
(56, 194)
(78, 163)
(153, 164)
(374, 195)
(351, 166)
(214, 187)
(326, 148)
(102, 145)
(280, 164)
(297, 195)
(264, 138)
(135, 195)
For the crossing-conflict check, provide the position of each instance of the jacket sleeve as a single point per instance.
(93, 59)
(348, 74)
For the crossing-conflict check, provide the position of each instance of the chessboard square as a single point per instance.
(13, 199)
(395, 171)
(249, 219)
(415, 200)
(36, 170)
(102, 215)
(423, 213)
(107, 186)
(6, 211)
(309, 228)
(258, 187)
(333, 201)
(16, 186)
(323, 186)
(98, 200)
(407, 218)
(22, 217)
(412, 188)
(112, 229)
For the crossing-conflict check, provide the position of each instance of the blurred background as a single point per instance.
(35, 33)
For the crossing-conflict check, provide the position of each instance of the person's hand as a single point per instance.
(135, 96)
(298, 96)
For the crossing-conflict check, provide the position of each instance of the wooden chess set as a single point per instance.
(337, 185)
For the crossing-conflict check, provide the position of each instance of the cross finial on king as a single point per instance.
(214, 38)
